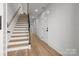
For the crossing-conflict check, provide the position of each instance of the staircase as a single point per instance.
(20, 36)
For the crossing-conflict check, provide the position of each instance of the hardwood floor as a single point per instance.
(38, 48)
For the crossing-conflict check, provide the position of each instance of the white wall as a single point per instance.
(40, 26)
(24, 7)
(63, 28)
(4, 29)
(1, 31)
(76, 27)
(11, 10)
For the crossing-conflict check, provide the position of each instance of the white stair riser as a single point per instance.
(20, 34)
(21, 25)
(21, 28)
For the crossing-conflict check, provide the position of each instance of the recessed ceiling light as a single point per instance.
(32, 16)
(36, 10)
(47, 11)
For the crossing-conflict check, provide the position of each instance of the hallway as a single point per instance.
(19, 46)
(54, 29)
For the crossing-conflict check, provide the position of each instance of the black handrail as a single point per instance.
(28, 23)
(29, 29)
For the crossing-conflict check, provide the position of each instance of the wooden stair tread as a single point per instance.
(17, 45)
(21, 26)
(18, 40)
(19, 32)
(19, 48)
(20, 29)
(20, 36)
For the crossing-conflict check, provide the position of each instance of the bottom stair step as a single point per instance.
(19, 38)
(18, 42)
(18, 45)
(19, 48)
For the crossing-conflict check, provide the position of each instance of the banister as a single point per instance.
(29, 23)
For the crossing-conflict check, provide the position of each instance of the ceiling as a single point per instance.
(35, 9)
